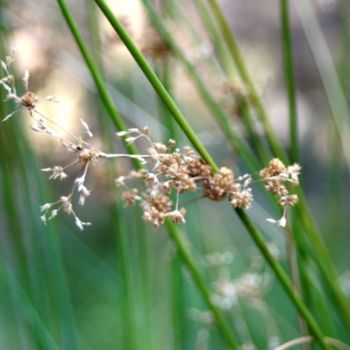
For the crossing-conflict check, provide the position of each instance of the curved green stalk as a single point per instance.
(109, 105)
(237, 57)
(169, 102)
(287, 45)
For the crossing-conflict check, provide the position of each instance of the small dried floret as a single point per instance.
(154, 216)
(241, 198)
(177, 216)
(29, 100)
(288, 200)
(277, 177)
(130, 197)
(161, 202)
(276, 187)
(219, 185)
(57, 172)
(275, 168)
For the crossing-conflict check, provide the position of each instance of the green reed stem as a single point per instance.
(238, 59)
(108, 103)
(287, 45)
(169, 102)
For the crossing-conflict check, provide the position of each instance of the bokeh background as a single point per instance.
(119, 284)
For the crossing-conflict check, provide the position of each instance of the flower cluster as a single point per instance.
(167, 171)
(174, 171)
(27, 100)
(277, 177)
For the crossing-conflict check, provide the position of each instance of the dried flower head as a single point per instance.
(277, 178)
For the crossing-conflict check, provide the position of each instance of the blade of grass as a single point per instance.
(124, 264)
(215, 38)
(28, 312)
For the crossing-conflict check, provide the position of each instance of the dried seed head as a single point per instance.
(275, 168)
(219, 185)
(130, 197)
(29, 100)
(154, 216)
(177, 216)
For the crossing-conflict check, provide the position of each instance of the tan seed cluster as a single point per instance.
(278, 179)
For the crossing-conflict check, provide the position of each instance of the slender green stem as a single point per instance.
(237, 57)
(287, 45)
(108, 103)
(281, 275)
